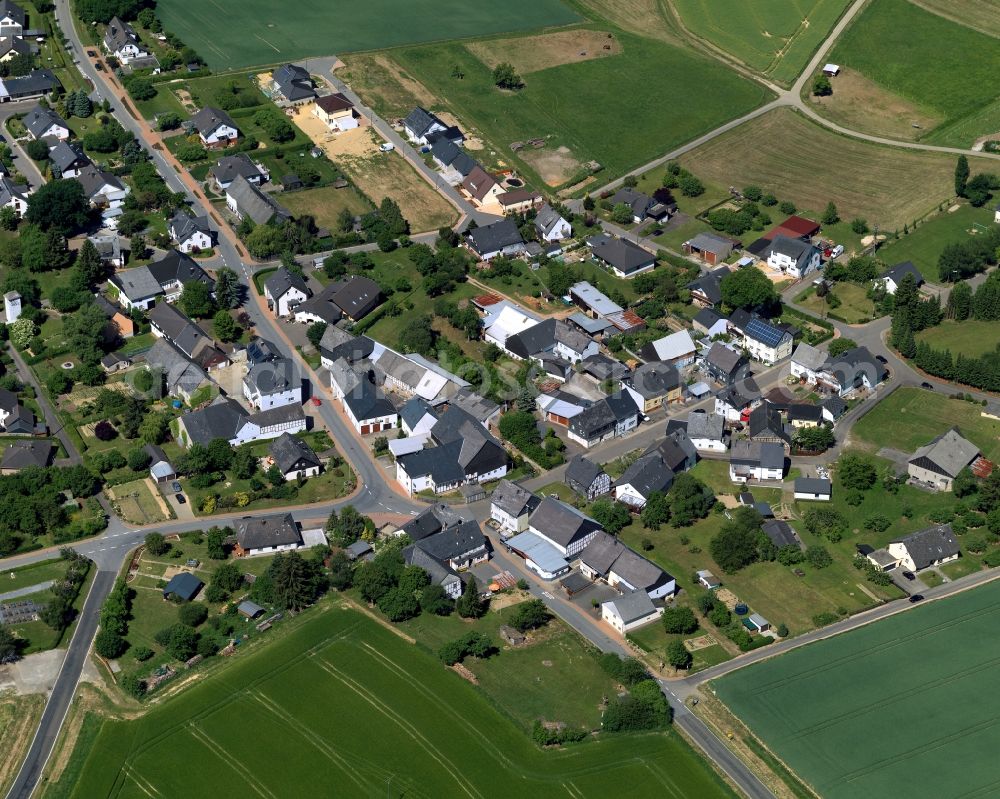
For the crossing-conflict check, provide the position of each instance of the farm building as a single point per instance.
(630, 611)
(815, 488)
(938, 463)
(183, 585)
(712, 249)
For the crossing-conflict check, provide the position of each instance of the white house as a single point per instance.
(756, 460)
(765, 342)
(891, 279)
(368, 409)
(11, 306)
(284, 290)
(417, 417)
(12, 20)
(192, 233)
(294, 457)
(44, 123)
(808, 363)
(13, 195)
(646, 475)
(505, 319)
(925, 548)
(707, 431)
(272, 384)
(258, 535)
(793, 257)
(511, 506)
(336, 111)
(550, 224)
(630, 611)
(121, 41)
(813, 488)
(215, 127)
(563, 526)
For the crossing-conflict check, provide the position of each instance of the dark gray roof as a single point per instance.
(812, 485)
(451, 155)
(177, 266)
(271, 377)
(420, 120)
(765, 420)
(710, 284)
(633, 606)
(283, 280)
(12, 10)
(210, 119)
(430, 521)
(291, 453)
(734, 397)
(179, 371)
(648, 474)
(835, 405)
(258, 532)
(454, 541)
(38, 81)
(183, 226)
(476, 446)
(252, 202)
(24, 453)
(9, 190)
(946, 454)
(701, 424)
(849, 365)
(222, 419)
(795, 249)
(495, 237)
(582, 472)
(440, 462)
(655, 379)
(560, 522)
(353, 297)
(603, 368)
(533, 341)
(634, 199)
(438, 571)
(546, 219)
(41, 119)
(293, 82)
(710, 242)
(805, 411)
(725, 359)
(96, 180)
(603, 414)
(119, 34)
(368, 402)
(65, 155)
(476, 405)
(228, 167)
(900, 270)
(767, 454)
(780, 533)
(184, 584)
(930, 545)
(415, 409)
(156, 454)
(621, 254)
(512, 499)
(707, 317)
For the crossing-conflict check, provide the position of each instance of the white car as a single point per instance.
(388, 147)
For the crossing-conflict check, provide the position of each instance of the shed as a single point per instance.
(511, 636)
(250, 609)
(472, 493)
(184, 585)
(757, 623)
(359, 550)
(708, 580)
(831, 70)
(574, 583)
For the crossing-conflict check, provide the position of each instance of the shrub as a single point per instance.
(679, 619)
(192, 614)
(109, 644)
(877, 522)
(142, 653)
(105, 431)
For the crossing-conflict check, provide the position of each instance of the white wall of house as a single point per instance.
(283, 305)
(312, 471)
(55, 131)
(572, 355)
(507, 521)
(940, 481)
(196, 241)
(560, 230)
(790, 266)
(609, 613)
(423, 426)
(574, 548)
(276, 399)
(628, 494)
(222, 135)
(811, 496)
(745, 473)
(617, 581)
(765, 354)
(268, 550)
(376, 424)
(709, 444)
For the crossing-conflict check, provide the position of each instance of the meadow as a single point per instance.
(778, 151)
(776, 38)
(267, 35)
(924, 243)
(897, 44)
(347, 719)
(978, 14)
(971, 337)
(898, 703)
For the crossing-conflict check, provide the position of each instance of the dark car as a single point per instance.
(180, 499)
(880, 359)
(92, 54)
(916, 597)
(176, 487)
(927, 385)
(909, 575)
(99, 66)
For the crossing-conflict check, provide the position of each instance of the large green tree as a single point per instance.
(59, 205)
(748, 288)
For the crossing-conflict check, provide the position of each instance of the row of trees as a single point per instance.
(643, 707)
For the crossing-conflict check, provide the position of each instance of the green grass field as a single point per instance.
(924, 243)
(855, 306)
(776, 38)
(268, 35)
(897, 44)
(353, 710)
(901, 707)
(971, 337)
(910, 417)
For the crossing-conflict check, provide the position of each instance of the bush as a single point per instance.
(109, 644)
(472, 643)
(818, 557)
(529, 615)
(877, 523)
(680, 620)
(133, 686)
(104, 431)
(192, 614)
(142, 653)
(156, 544)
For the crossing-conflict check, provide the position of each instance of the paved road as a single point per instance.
(25, 165)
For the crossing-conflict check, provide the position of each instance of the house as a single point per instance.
(539, 554)
(484, 411)
(602, 368)
(594, 303)
(169, 323)
(338, 343)
(498, 238)
(833, 408)
(455, 164)
(481, 186)
(104, 191)
(11, 306)
(675, 449)
(421, 123)
(563, 526)
(14, 417)
(754, 460)
(853, 370)
(511, 505)
(37, 83)
(630, 611)
(336, 111)
(733, 405)
(587, 479)
(723, 364)
(808, 363)
(793, 257)
(710, 248)
(765, 342)
(780, 533)
(13, 46)
(160, 468)
(925, 548)
(938, 463)
(272, 384)
(560, 407)
(285, 290)
(215, 127)
(67, 159)
(643, 206)
(608, 559)
(229, 167)
(805, 414)
(432, 520)
(708, 580)
(647, 474)
(359, 550)
(115, 362)
(611, 417)
(794, 227)
(226, 419)
(438, 572)
(706, 290)
(892, 279)
(677, 349)
(183, 585)
(458, 547)
(245, 200)
(192, 233)
(505, 319)
(181, 377)
(550, 224)
(293, 83)
(517, 201)
(814, 488)
(25, 453)
(137, 288)
(707, 431)
(121, 41)
(368, 409)
(622, 257)
(353, 297)
(415, 375)
(12, 20)
(294, 457)
(14, 196)
(174, 270)
(572, 344)
(653, 385)
(765, 425)
(710, 322)
(259, 535)
(109, 248)
(417, 417)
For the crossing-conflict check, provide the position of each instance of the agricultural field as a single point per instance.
(923, 244)
(776, 38)
(578, 106)
(140, 502)
(443, 736)
(910, 417)
(777, 151)
(899, 702)
(980, 15)
(19, 716)
(316, 29)
(897, 45)
(971, 337)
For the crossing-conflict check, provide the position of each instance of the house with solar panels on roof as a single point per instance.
(766, 342)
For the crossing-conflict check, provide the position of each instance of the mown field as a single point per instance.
(898, 45)
(776, 38)
(778, 151)
(269, 34)
(896, 708)
(923, 244)
(351, 709)
(970, 337)
(979, 14)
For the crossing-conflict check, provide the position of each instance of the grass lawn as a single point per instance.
(165, 102)
(443, 736)
(833, 711)
(774, 38)
(325, 204)
(910, 417)
(924, 243)
(137, 503)
(892, 41)
(32, 575)
(971, 337)
(855, 306)
(580, 106)
(961, 567)
(313, 31)
(885, 185)
(37, 635)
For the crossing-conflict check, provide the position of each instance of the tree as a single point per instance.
(346, 527)
(959, 306)
(225, 326)
(109, 644)
(822, 86)
(156, 544)
(399, 604)
(529, 615)
(622, 213)
(690, 186)
(690, 499)
(612, 516)
(830, 215)
(88, 268)
(418, 336)
(10, 649)
(469, 605)
(181, 641)
(961, 175)
(216, 545)
(859, 225)
(965, 483)
(38, 150)
(656, 512)
(979, 189)
(434, 599)
(379, 575)
(59, 205)
(8, 218)
(275, 125)
(856, 471)
(297, 581)
(818, 557)
(825, 522)
(315, 333)
(735, 546)
(141, 88)
(227, 576)
(154, 428)
(814, 439)
(748, 288)
(228, 290)
(679, 619)
(196, 300)
(21, 332)
(841, 345)
(506, 77)
(678, 655)
(193, 614)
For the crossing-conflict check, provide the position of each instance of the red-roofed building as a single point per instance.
(484, 301)
(795, 227)
(627, 321)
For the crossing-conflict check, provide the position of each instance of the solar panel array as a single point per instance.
(763, 332)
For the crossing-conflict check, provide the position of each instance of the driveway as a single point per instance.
(183, 512)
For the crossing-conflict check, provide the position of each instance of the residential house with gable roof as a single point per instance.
(229, 167)
(511, 506)
(121, 41)
(215, 127)
(498, 238)
(245, 200)
(793, 257)
(608, 559)
(706, 290)
(550, 224)
(272, 384)
(12, 20)
(644, 476)
(261, 535)
(755, 460)
(766, 342)
(621, 256)
(564, 527)
(67, 159)
(285, 290)
(892, 279)
(44, 123)
(925, 548)
(293, 83)
(192, 233)
(294, 457)
(587, 479)
(611, 417)
(938, 463)
(723, 364)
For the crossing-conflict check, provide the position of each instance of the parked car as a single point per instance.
(92, 54)
(916, 597)
(99, 66)
(927, 385)
(176, 487)
(881, 360)
(180, 499)
(909, 575)
(388, 147)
